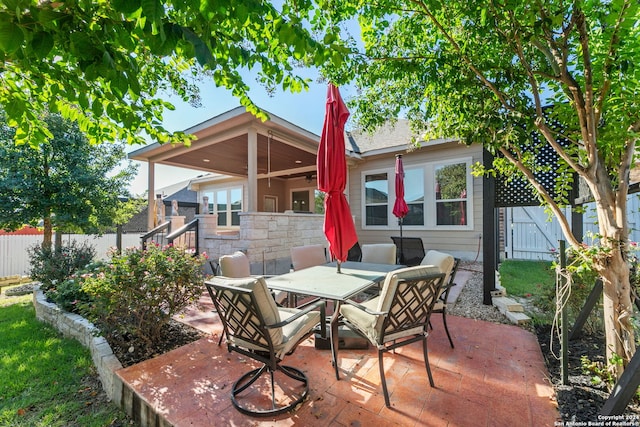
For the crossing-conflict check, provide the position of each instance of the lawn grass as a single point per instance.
(45, 378)
(525, 278)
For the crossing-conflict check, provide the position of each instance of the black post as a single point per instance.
(119, 238)
(489, 260)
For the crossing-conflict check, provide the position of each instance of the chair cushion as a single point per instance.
(265, 302)
(363, 321)
(379, 253)
(235, 265)
(371, 324)
(294, 331)
(443, 261)
(307, 256)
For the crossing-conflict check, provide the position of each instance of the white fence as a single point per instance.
(14, 254)
(530, 235)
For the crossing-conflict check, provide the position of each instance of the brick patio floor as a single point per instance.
(495, 376)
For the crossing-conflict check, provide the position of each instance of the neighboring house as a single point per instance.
(187, 206)
(270, 168)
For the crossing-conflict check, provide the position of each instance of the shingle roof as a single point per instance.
(184, 195)
(390, 135)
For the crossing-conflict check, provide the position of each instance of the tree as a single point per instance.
(485, 71)
(107, 65)
(66, 183)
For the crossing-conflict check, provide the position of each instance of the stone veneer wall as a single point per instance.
(266, 238)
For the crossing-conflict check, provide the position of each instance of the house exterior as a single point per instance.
(444, 199)
(261, 195)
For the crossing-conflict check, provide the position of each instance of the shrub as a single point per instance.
(69, 294)
(51, 266)
(140, 290)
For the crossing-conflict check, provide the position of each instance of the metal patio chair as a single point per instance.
(399, 315)
(257, 328)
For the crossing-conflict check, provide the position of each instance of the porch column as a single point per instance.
(151, 211)
(252, 172)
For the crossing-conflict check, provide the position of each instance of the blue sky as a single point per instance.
(305, 109)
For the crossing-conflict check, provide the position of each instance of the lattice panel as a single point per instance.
(413, 301)
(518, 192)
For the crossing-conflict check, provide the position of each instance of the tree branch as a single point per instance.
(501, 96)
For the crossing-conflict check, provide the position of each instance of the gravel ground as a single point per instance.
(469, 302)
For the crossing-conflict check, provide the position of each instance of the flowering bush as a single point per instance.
(140, 290)
(69, 295)
(51, 266)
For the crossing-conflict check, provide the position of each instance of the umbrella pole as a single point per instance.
(338, 264)
(401, 257)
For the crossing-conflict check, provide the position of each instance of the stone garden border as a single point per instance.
(107, 364)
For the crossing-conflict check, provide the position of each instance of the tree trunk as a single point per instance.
(48, 233)
(618, 309)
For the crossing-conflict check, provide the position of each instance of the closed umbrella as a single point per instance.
(332, 178)
(400, 208)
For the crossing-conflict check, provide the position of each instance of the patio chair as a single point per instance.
(355, 253)
(399, 315)
(410, 250)
(448, 265)
(257, 328)
(380, 253)
(308, 256)
(235, 265)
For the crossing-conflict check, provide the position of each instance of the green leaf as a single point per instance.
(154, 12)
(11, 36)
(126, 6)
(42, 44)
(82, 45)
(97, 107)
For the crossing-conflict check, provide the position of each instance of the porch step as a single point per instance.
(505, 304)
(517, 318)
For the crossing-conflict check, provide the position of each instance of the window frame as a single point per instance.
(213, 191)
(429, 175)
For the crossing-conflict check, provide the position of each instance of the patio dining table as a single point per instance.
(324, 281)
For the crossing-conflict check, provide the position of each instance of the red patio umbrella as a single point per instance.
(400, 208)
(332, 178)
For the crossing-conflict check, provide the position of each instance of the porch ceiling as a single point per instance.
(230, 157)
(221, 147)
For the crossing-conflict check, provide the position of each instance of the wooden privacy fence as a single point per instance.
(529, 235)
(14, 249)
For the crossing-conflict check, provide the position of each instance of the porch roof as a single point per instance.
(221, 146)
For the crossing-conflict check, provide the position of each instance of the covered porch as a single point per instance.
(259, 193)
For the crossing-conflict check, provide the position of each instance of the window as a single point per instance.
(376, 188)
(438, 196)
(227, 203)
(451, 194)
(414, 196)
(300, 201)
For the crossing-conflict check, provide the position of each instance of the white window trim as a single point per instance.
(429, 197)
(228, 188)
